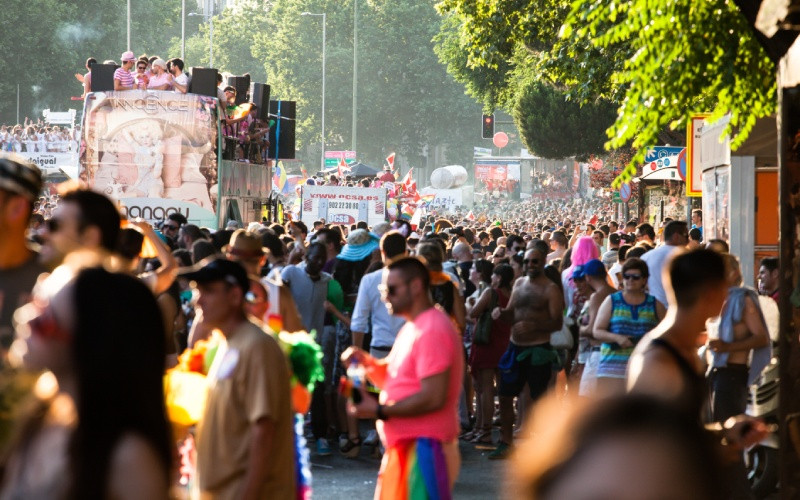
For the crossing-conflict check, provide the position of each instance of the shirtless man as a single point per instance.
(535, 309)
(665, 363)
(742, 329)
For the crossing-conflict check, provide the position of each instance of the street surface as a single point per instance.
(338, 477)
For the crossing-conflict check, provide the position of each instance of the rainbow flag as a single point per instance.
(408, 211)
(426, 199)
(279, 179)
(415, 469)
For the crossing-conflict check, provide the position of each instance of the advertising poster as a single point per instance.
(343, 205)
(153, 151)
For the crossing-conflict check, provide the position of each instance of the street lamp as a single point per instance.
(210, 20)
(322, 139)
(355, 71)
(129, 25)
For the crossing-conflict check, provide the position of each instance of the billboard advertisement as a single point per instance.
(153, 148)
(343, 205)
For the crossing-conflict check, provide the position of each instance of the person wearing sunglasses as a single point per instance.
(420, 384)
(535, 310)
(83, 219)
(622, 320)
(97, 424)
(20, 186)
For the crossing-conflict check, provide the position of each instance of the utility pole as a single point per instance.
(355, 73)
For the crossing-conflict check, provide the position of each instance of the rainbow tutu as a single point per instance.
(415, 470)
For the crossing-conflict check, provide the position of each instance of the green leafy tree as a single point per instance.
(555, 127)
(658, 61)
(406, 100)
(687, 56)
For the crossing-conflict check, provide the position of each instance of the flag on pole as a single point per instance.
(415, 219)
(408, 183)
(279, 179)
(342, 167)
(593, 220)
(426, 199)
(390, 161)
(408, 210)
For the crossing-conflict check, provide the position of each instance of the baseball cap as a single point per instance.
(218, 269)
(160, 62)
(128, 56)
(578, 273)
(594, 268)
(19, 176)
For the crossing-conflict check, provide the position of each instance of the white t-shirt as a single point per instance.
(656, 259)
(182, 80)
(612, 272)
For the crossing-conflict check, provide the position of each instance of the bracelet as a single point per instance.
(381, 414)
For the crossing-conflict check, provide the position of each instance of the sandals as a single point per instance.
(351, 448)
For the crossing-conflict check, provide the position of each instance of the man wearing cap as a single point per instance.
(245, 439)
(20, 183)
(123, 79)
(595, 276)
(245, 248)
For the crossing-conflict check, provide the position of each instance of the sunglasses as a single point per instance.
(170, 227)
(388, 290)
(635, 277)
(141, 67)
(531, 261)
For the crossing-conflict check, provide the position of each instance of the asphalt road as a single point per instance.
(336, 477)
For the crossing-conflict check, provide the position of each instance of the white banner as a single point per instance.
(343, 205)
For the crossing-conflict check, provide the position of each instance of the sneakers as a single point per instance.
(502, 451)
(323, 448)
(372, 438)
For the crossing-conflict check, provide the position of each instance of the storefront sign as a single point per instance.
(694, 172)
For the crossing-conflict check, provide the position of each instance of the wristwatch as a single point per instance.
(381, 414)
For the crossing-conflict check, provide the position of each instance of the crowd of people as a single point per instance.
(429, 336)
(141, 73)
(38, 137)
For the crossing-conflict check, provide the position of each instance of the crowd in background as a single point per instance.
(553, 298)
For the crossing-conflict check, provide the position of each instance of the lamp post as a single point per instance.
(355, 71)
(129, 25)
(183, 30)
(322, 138)
(210, 20)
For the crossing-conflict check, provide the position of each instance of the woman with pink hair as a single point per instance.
(584, 250)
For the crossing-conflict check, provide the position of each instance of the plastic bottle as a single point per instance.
(356, 373)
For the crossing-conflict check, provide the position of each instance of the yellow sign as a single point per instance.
(694, 173)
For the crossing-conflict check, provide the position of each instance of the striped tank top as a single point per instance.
(632, 321)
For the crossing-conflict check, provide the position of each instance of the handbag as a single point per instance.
(562, 339)
(483, 328)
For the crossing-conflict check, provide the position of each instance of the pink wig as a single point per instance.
(583, 251)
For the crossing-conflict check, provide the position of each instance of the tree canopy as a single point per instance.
(656, 61)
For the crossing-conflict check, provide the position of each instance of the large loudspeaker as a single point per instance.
(285, 124)
(103, 77)
(204, 82)
(259, 95)
(242, 85)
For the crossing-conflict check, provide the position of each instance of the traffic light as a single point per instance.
(488, 126)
